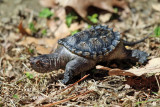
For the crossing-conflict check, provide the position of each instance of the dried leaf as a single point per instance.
(52, 25)
(13, 37)
(153, 66)
(67, 31)
(156, 7)
(43, 45)
(62, 31)
(105, 17)
(22, 30)
(47, 3)
(83, 5)
(43, 50)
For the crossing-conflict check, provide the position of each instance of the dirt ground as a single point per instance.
(22, 86)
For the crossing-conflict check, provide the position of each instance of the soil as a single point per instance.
(21, 86)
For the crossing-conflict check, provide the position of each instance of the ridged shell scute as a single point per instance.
(96, 42)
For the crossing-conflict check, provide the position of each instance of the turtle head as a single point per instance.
(41, 64)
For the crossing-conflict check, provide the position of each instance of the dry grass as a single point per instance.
(21, 86)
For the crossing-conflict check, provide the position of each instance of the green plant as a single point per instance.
(29, 75)
(74, 32)
(44, 32)
(45, 13)
(70, 18)
(31, 51)
(157, 31)
(32, 27)
(116, 10)
(15, 96)
(89, 26)
(93, 18)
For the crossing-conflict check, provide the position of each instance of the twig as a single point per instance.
(157, 82)
(61, 101)
(40, 101)
(74, 83)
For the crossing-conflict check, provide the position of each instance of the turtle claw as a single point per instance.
(140, 55)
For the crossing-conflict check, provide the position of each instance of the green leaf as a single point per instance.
(29, 75)
(157, 31)
(74, 32)
(95, 15)
(44, 32)
(93, 18)
(15, 96)
(45, 13)
(70, 18)
(116, 10)
(155, 93)
(32, 27)
(31, 51)
(89, 26)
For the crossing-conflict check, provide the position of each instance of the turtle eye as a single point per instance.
(38, 62)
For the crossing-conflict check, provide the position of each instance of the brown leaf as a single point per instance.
(115, 71)
(156, 7)
(64, 31)
(43, 50)
(47, 3)
(153, 66)
(81, 6)
(105, 17)
(43, 45)
(22, 30)
(13, 37)
(52, 25)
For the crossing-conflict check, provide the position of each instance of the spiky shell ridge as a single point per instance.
(96, 42)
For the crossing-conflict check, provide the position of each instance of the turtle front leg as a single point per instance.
(139, 55)
(75, 67)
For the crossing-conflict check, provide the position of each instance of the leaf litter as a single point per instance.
(135, 86)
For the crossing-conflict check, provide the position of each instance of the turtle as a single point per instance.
(82, 51)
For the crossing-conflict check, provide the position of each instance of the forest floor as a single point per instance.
(25, 33)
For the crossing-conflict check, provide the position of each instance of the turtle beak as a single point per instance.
(31, 60)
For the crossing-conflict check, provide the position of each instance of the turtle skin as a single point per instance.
(82, 51)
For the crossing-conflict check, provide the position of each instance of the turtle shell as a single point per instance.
(96, 42)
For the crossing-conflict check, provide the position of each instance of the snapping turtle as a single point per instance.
(83, 50)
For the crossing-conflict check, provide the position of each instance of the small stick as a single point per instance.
(61, 101)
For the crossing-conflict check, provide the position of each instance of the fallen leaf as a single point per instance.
(64, 31)
(61, 13)
(48, 3)
(115, 71)
(105, 17)
(22, 30)
(143, 82)
(43, 45)
(156, 7)
(43, 50)
(13, 37)
(52, 25)
(81, 6)
(153, 66)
